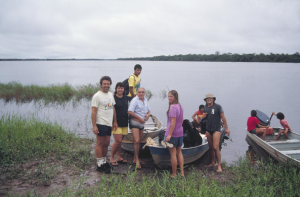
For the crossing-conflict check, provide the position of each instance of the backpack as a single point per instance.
(191, 136)
(126, 84)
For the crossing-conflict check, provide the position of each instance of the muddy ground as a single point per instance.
(62, 177)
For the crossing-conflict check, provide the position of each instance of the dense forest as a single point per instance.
(225, 57)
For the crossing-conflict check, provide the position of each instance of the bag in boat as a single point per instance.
(203, 125)
(191, 136)
(269, 131)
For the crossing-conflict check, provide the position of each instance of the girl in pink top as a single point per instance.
(174, 132)
(284, 124)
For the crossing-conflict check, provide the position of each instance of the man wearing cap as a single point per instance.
(214, 113)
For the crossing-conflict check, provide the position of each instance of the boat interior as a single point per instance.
(156, 139)
(290, 147)
(152, 125)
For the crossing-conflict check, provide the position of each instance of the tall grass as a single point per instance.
(14, 91)
(24, 138)
(58, 94)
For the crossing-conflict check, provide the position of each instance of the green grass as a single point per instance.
(25, 139)
(14, 91)
(57, 94)
(242, 179)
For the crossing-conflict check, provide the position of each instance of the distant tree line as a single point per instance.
(225, 57)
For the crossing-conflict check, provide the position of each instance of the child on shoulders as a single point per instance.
(284, 124)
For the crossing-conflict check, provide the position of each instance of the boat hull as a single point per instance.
(128, 145)
(162, 159)
(284, 151)
(161, 156)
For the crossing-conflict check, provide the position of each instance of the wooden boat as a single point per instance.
(283, 150)
(161, 155)
(152, 129)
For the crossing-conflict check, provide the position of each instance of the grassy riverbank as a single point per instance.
(36, 150)
(35, 153)
(241, 179)
(57, 94)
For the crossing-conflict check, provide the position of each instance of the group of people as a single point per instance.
(111, 114)
(254, 127)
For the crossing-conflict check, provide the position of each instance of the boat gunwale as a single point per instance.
(189, 148)
(252, 136)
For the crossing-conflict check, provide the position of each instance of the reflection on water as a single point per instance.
(73, 117)
(239, 88)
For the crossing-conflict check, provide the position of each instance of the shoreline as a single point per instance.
(87, 181)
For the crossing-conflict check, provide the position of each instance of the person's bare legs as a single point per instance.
(105, 146)
(180, 160)
(279, 135)
(141, 138)
(137, 142)
(173, 161)
(119, 158)
(285, 133)
(100, 146)
(216, 142)
(115, 147)
(211, 149)
(262, 132)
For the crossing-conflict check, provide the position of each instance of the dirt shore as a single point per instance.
(70, 177)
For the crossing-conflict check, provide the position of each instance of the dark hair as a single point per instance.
(137, 66)
(253, 113)
(119, 84)
(201, 106)
(280, 116)
(176, 100)
(105, 78)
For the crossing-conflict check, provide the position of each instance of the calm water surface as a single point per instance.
(239, 88)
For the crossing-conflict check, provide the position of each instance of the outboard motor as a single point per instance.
(264, 120)
(191, 136)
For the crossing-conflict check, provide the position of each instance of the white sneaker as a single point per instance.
(166, 144)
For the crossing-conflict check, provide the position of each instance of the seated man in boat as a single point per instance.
(284, 124)
(252, 125)
(197, 116)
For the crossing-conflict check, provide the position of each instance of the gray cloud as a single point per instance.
(112, 29)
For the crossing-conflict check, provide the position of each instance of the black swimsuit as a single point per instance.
(212, 132)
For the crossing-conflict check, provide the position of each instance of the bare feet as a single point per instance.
(210, 165)
(141, 162)
(219, 170)
(173, 176)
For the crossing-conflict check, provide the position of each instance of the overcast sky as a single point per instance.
(127, 28)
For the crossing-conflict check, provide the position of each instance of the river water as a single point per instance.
(238, 87)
